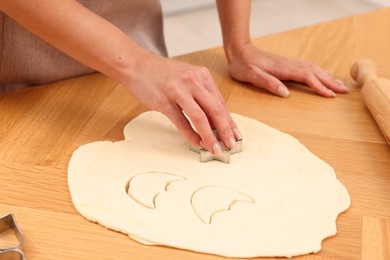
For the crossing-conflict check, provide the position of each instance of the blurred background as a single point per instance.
(192, 25)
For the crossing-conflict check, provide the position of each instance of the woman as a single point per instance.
(124, 40)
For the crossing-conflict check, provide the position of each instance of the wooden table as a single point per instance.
(41, 127)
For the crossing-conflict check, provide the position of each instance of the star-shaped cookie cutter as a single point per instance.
(14, 252)
(206, 156)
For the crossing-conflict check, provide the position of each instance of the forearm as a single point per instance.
(234, 17)
(78, 32)
(174, 88)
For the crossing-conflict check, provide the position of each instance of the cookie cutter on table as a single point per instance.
(8, 222)
(206, 156)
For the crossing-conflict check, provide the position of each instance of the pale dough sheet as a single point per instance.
(275, 198)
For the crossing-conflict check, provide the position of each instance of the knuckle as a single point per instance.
(198, 118)
(306, 63)
(279, 63)
(192, 136)
(183, 124)
(209, 139)
(196, 77)
(160, 103)
(225, 132)
(312, 81)
(172, 86)
(284, 72)
(252, 69)
(164, 108)
(251, 73)
(175, 93)
(308, 75)
(190, 81)
(180, 98)
(219, 108)
(204, 71)
(231, 122)
(188, 76)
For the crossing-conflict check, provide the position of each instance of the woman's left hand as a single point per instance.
(267, 71)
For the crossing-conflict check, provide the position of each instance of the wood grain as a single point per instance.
(375, 92)
(40, 127)
(376, 238)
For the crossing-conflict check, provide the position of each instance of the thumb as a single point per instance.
(270, 83)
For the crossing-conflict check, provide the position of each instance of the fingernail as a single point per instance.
(282, 91)
(217, 149)
(237, 134)
(332, 93)
(232, 143)
(342, 84)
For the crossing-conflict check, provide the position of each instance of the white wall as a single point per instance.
(176, 6)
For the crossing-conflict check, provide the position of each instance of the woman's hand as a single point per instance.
(178, 90)
(265, 70)
(173, 88)
(262, 69)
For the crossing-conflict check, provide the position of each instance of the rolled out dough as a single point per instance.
(275, 198)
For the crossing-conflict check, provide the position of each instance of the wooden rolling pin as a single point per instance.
(375, 92)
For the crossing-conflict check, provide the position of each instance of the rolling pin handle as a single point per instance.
(363, 71)
(375, 93)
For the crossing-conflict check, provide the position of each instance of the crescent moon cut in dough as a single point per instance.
(275, 198)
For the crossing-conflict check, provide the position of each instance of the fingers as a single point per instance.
(199, 98)
(204, 137)
(177, 117)
(267, 70)
(207, 111)
(325, 78)
(316, 78)
(199, 119)
(311, 79)
(319, 80)
(269, 82)
(188, 96)
(329, 81)
(216, 95)
(220, 118)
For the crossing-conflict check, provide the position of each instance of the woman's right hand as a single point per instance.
(177, 90)
(174, 88)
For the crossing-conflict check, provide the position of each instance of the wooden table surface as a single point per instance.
(41, 127)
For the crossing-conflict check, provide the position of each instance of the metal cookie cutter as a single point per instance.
(8, 222)
(206, 156)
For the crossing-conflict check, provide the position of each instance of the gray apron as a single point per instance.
(26, 60)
